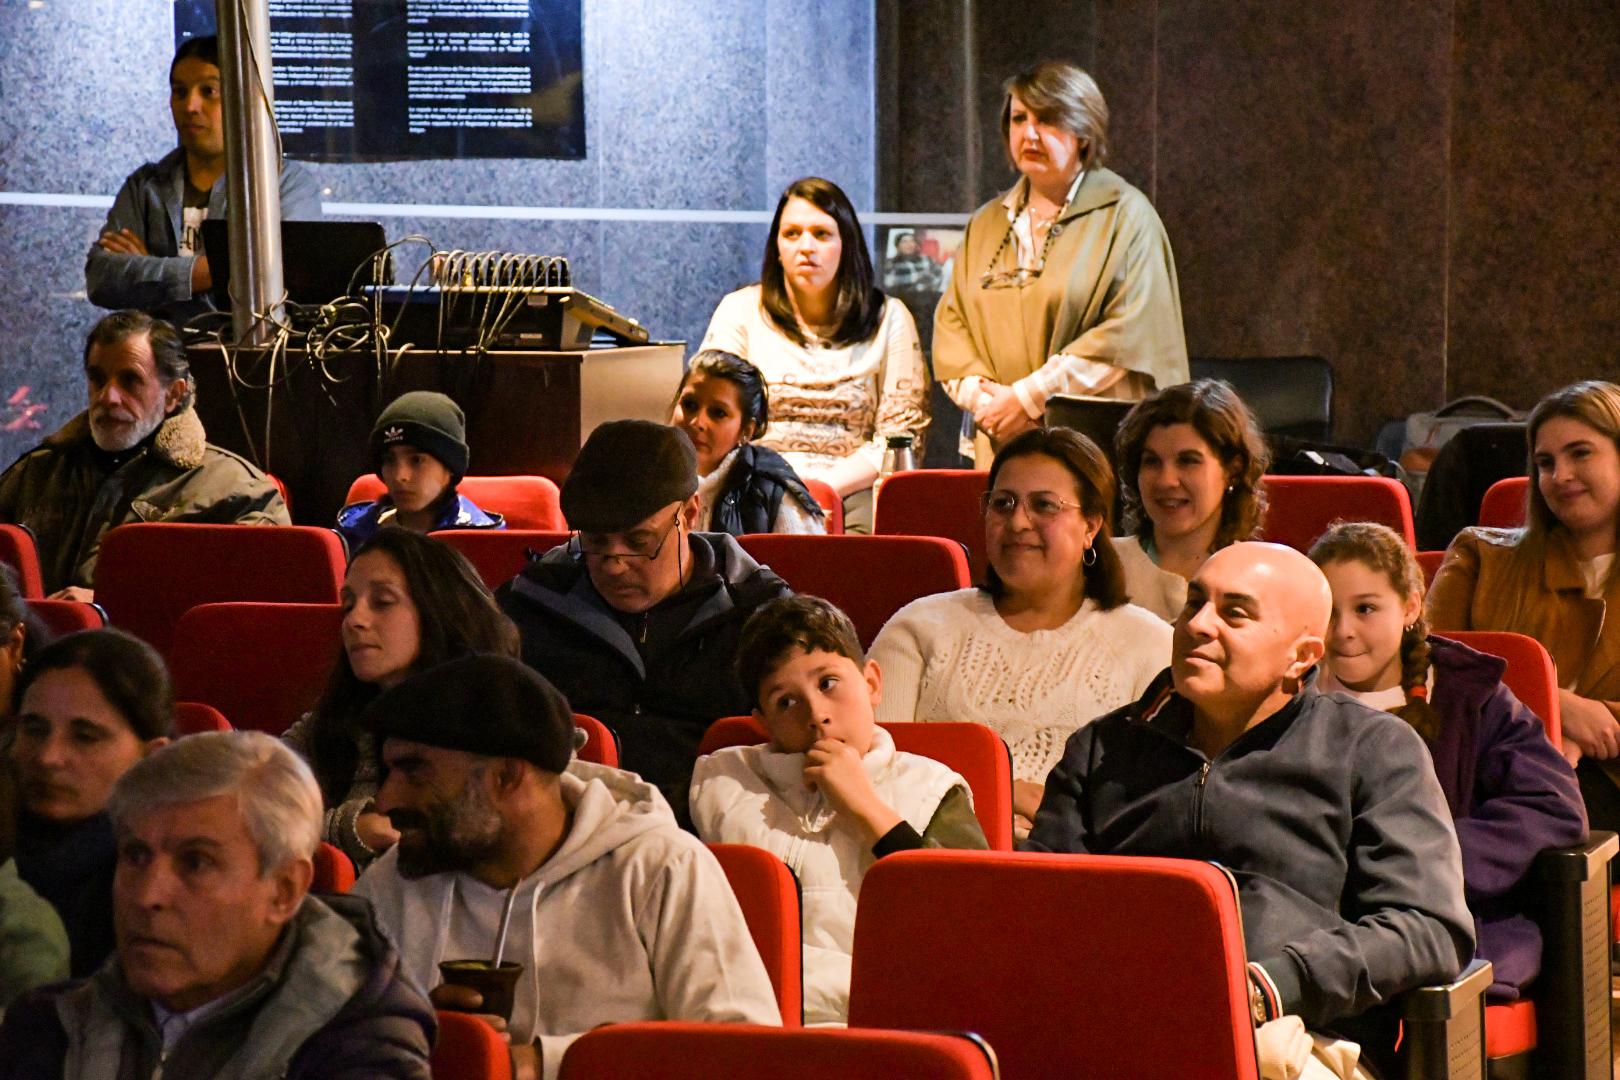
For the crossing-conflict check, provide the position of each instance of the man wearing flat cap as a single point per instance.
(636, 619)
(617, 914)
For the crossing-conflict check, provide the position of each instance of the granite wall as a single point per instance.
(705, 105)
(1423, 192)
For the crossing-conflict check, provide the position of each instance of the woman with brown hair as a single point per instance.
(1048, 643)
(1063, 284)
(1553, 579)
(1190, 462)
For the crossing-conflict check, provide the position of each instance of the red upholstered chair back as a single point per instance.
(870, 577)
(282, 488)
(1505, 503)
(469, 1049)
(1302, 507)
(1148, 953)
(148, 575)
(601, 744)
(69, 616)
(831, 503)
(262, 665)
(17, 551)
(768, 894)
(499, 555)
(936, 502)
(1530, 673)
(334, 871)
(975, 752)
(665, 1050)
(527, 502)
(1430, 562)
(194, 717)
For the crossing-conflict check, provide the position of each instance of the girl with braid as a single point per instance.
(1510, 791)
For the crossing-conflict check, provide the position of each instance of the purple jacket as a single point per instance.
(1511, 794)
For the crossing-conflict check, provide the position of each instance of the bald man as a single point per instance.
(1327, 813)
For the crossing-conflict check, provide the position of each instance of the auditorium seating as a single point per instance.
(148, 575)
(1069, 965)
(499, 555)
(1504, 504)
(869, 577)
(1530, 672)
(768, 894)
(526, 502)
(1300, 508)
(831, 503)
(194, 717)
(17, 550)
(936, 502)
(976, 753)
(262, 665)
(601, 744)
(69, 616)
(467, 1048)
(664, 1050)
(334, 871)
(281, 487)
(1430, 562)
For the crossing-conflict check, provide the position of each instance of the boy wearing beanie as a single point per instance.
(419, 449)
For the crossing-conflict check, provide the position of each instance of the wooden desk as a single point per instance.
(527, 412)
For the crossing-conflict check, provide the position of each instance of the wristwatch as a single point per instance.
(1257, 1003)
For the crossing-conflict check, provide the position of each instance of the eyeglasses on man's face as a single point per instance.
(1042, 506)
(637, 544)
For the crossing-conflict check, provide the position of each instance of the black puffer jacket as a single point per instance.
(756, 483)
(658, 679)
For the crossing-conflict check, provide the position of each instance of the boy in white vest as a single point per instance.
(829, 793)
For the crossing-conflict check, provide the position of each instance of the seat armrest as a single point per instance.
(1578, 862)
(1445, 1027)
(1570, 890)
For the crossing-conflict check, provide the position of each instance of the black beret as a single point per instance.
(626, 471)
(491, 705)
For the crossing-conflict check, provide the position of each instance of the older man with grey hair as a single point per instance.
(226, 966)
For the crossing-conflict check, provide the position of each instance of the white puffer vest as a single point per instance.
(755, 795)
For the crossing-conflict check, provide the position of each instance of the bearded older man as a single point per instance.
(1327, 813)
(138, 453)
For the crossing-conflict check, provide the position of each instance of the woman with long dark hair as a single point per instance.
(842, 361)
(409, 603)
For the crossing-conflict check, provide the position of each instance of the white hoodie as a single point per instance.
(630, 919)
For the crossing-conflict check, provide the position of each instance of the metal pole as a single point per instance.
(252, 168)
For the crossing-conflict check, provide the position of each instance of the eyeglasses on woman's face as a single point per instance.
(1041, 506)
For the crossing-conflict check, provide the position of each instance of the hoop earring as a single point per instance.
(1090, 557)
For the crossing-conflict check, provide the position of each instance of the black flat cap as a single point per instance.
(626, 471)
(490, 705)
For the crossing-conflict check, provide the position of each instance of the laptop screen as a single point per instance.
(318, 258)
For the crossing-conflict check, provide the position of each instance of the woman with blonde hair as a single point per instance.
(1553, 579)
(1190, 461)
(1063, 284)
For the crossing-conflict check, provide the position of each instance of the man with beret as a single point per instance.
(617, 915)
(636, 619)
(419, 449)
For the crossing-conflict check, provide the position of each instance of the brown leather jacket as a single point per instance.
(67, 499)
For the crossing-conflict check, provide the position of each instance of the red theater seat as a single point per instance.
(69, 616)
(936, 502)
(148, 575)
(262, 665)
(975, 752)
(1148, 954)
(526, 502)
(831, 503)
(469, 1049)
(1300, 508)
(334, 871)
(870, 577)
(193, 718)
(768, 894)
(1530, 672)
(1504, 504)
(601, 745)
(1429, 562)
(499, 555)
(691, 1051)
(17, 550)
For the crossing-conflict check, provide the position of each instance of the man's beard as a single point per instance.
(120, 437)
(448, 836)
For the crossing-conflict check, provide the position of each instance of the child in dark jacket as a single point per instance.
(419, 448)
(1510, 792)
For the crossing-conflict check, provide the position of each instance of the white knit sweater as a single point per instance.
(951, 657)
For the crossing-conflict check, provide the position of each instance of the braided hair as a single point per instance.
(1381, 549)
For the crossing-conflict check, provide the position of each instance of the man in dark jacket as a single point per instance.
(1327, 812)
(636, 620)
(138, 453)
(226, 967)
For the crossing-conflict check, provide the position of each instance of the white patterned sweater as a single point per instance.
(951, 657)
